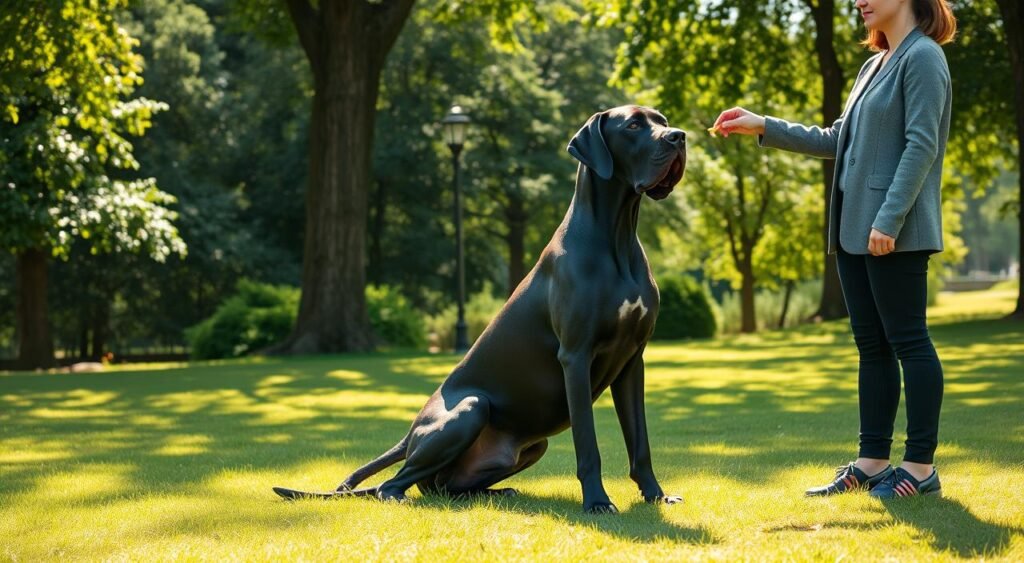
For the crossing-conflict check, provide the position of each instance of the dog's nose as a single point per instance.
(676, 136)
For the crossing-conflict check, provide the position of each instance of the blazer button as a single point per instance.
(853, 161)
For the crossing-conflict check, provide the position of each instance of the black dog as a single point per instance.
(576, 325)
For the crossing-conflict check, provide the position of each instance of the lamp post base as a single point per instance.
(461, 338)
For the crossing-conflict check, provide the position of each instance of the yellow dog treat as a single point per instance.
(713, 131)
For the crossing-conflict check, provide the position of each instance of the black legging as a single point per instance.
(887, 296)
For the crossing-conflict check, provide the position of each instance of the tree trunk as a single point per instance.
(1013, 19)
(346, 44)
(515, 216)
(832, 305)
(35, 342)
(748, 315)
(100, 318)
(83, 334)
(785, 303)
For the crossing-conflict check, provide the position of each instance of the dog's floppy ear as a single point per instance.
(588, 146)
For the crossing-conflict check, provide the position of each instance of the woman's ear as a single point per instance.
(588, 147)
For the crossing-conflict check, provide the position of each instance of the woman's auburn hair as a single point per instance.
(934, 17)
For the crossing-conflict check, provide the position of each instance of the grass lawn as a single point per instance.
(177, 462)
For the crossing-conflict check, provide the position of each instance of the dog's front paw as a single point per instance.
(600, 508)
(390, 496)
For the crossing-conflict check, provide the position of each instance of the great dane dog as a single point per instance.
(576, 325)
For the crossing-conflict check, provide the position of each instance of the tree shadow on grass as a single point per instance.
(949, 525)
(640, 522)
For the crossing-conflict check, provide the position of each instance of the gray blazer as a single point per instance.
(894, 170)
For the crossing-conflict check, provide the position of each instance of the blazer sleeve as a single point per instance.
(814, 141)
(926, 85)
(822, 142)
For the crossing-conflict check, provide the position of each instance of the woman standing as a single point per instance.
(884, 222)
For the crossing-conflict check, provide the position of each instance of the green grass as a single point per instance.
(176, 462)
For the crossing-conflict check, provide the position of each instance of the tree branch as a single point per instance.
(307, 23)
(388, 17)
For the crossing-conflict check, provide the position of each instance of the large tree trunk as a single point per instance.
(35, 343)
(377, 236)
(1013, 20)
(515, 216)
(832, 305)
(346, 44)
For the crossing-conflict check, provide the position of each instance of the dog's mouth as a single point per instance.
(669, 177)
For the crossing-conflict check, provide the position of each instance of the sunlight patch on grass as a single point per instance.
(350, 377)
(272, 380)
(275, 438)
(85, 398)
(718, 399)
(32, 450)
(184, 444)
(721, 449)
(152, 421)
(64, 414)
(81, 482)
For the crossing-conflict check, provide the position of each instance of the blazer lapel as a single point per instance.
(913, 36)
(855, 95)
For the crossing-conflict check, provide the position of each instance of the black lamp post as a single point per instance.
(455, 125)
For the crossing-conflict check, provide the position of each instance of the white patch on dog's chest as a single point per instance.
(626, 308)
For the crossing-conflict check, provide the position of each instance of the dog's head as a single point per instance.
(635, 145)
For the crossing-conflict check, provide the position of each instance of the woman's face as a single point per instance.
(879, 14)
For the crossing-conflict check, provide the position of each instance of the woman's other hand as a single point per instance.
(880, 244)
(739, 120)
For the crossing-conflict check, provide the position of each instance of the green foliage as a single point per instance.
(257, 316)
(68, 73)
(685, 310)
(395, 322)
(481, 308)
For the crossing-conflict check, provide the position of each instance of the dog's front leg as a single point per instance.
(576, 367)
(628, 394)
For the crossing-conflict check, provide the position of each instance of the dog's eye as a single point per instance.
(633, 125)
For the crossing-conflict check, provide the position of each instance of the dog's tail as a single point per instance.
(387, 459)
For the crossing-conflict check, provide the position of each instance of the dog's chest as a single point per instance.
(631, 314)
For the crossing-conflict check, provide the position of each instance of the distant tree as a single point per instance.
(1013, 27)
(822, 36)
(67, 71)
(742, 53)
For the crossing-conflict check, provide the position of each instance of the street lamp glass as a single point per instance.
(455, 126)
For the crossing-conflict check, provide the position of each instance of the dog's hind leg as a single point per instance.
(438, 441)
(475, 477)
(387, 459)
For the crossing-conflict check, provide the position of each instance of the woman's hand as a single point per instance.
(880, 244)
(739, 120)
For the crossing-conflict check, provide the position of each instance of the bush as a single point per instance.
(685, 311)
(259, 315)
(480, 309)
(393, 319)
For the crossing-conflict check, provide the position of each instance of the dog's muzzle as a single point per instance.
(668, 178)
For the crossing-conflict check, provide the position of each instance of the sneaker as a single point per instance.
(902, 484)
(850, 478)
